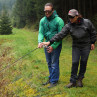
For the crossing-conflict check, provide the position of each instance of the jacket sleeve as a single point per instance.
(40, 35)
(60, 26)
(63, 33)
(93, 33)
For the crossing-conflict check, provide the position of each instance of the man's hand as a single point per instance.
(92, 46)
(40, 45)
(49, 49)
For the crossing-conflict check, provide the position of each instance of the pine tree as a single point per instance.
(5, 24)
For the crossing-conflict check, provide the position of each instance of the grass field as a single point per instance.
(24, 78)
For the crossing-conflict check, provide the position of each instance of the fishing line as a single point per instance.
(17, 60)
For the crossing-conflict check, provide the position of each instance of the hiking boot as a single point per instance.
(70, 85)
(52, 85)
(79, 82)
(48, 81)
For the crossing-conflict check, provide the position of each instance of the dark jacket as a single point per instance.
(83, 33)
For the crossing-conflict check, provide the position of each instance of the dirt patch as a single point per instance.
(5, 58)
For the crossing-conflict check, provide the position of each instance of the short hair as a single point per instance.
(49, 4)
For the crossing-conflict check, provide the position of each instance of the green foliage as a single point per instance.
(24, 78)
(19, 13)
(94, 20)
(9, 5)
(24, 13)
(28, 12)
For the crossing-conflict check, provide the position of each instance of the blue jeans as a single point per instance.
(79, 56)
(53, 63)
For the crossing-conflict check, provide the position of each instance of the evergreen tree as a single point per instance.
(31, 11)
(9, 5)
(19, 13)
(5, 24)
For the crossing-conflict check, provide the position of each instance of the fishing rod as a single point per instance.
(44, 46)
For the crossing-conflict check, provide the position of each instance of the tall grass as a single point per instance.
(25, 77)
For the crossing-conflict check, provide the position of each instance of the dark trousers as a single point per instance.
(79, 56)
(53, 63)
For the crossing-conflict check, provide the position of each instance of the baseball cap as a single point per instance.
(73, 12)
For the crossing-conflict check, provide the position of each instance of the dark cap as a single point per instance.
(73, 12)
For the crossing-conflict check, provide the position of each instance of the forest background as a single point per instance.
(24, 78)
(28, 12)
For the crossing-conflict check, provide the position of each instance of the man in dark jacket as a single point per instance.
(50, 25)
(84, 36)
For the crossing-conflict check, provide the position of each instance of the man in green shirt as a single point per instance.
(50, 25)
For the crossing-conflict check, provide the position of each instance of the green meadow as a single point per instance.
(24, 78)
